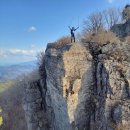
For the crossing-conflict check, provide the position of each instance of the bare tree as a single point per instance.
(102, 20)
(111, 17)
(94, 23)
(97, 27)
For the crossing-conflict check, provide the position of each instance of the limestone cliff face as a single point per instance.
(65, 68)
(85, 87)
(112, 88)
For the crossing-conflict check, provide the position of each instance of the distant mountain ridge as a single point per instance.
(11, 72)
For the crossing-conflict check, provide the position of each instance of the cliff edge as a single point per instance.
(84, 87)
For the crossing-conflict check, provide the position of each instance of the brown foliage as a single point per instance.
(63, 41)
(102, 37)
(127, 39)
(60, 42)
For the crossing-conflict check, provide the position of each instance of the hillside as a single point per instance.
(83, 85)
(13, 115)
(13, 71)
(11, 94)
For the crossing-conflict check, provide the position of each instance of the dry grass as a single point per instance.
(64, 40)
(127, 39)
(120, 67)
(102, 37)
(119, 55)
(61, 42)
(122, 127)
(119, 126)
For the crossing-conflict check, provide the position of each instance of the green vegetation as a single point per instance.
(5, 85)
(1, 119)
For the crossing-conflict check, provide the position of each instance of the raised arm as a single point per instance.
(76, 28)
(69, 27)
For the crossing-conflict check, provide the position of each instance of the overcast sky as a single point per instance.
(26, 26)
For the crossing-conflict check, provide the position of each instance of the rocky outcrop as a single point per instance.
(65, 68)
(111, 88)
(122, 30)
(126, 12)
(115, 59)
(39, 114)
(86, 87)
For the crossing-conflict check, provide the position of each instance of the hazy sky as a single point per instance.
(26, 26)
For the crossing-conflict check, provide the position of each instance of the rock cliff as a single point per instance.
(84, 87)
(122, 30)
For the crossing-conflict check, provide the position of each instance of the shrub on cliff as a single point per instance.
(60, 42)
(63, 40)
(102, 37)
(97, 27)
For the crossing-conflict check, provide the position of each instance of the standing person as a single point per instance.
(72, 30)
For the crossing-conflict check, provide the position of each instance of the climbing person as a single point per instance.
(72, 30)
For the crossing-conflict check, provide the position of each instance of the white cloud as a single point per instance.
(22, 52)
(16, 55)
(32, 29)
(17, 52)
(2, 53)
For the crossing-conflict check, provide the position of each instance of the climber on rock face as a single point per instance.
(72, 30)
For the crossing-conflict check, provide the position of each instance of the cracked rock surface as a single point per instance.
(86, 87)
